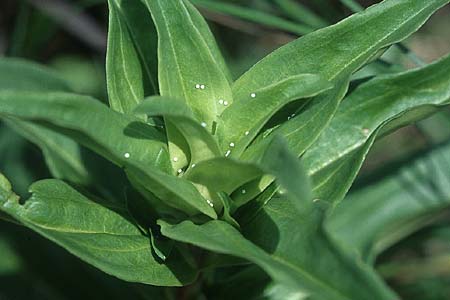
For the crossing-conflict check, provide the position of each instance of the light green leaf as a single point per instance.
(289, 174)
(131, 55)
(378, 106)
(123, 139)
(242, 121)
(62, 154)
(201, 143)
(191, 68)
(389, 210)
(289, 256)
(299, 132)
(222, 174)
(97, 234)
(190, 64)
(109, 133)
(334, 53)
(337, 51)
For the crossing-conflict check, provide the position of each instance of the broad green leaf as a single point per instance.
(190, 64)
(201, 143)
(131, 55)
(299, 132)
(123, 139)
(334, 53)
(289, 256)
(223, 175)
(191, 68)
(337, 51)
(388, 210)
(254, 15)
(97, 234)
(242, 121)
(378, 106)
(109, 133)
(62, 154)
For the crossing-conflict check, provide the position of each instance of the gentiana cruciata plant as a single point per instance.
(213, 172)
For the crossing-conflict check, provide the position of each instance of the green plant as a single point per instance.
(212, 163)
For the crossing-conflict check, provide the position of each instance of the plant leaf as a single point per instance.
(123, 139)
(201, 143)
(62, 154)
(18, 74)
(289, 256)
(389, 210)
(131, 55)
(242, 121)
(378, 106)
(334, 53)
(190, 67)
(95, 233)
(339, 50)
(223, 175)
(289, 174)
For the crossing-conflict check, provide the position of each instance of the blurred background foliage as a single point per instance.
(70, 37)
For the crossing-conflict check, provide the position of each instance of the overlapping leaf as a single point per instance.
(131, 57)
(62, 154)
(394, 207)
(242, 121)
(382, 104)
(99, 235)
(190, 67)
(334, 53)
(202, 144)
(123, 139)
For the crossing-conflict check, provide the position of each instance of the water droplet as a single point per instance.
(180, 171)
(193, 165)
(203, 124)
(247, 133)
(366, 131)
(202, 86)
(225, 103)
(243, 191)
(221, 101)
(210, 203)
(316, 200)
(228, 153)
(232, 145)
(197, 86)
(253, 95)
(175, 159)
(127, 155)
